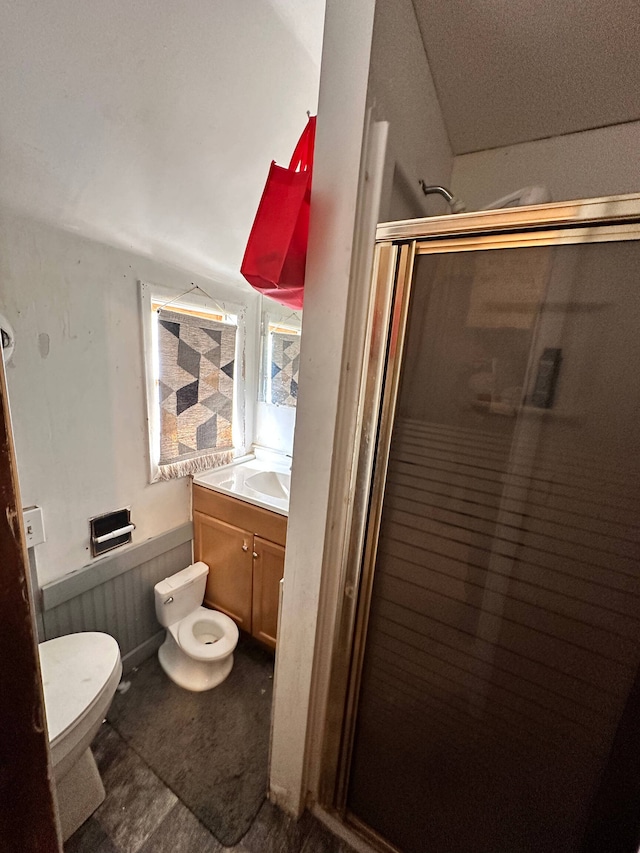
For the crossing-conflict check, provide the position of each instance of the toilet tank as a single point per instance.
(180, 594)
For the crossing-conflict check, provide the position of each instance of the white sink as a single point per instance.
(258, 480)
(273, 484)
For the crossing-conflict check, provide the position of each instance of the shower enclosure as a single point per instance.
(487, 660)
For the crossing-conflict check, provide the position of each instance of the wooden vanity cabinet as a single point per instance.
(227, 550)
(243, 545)
(268, 568)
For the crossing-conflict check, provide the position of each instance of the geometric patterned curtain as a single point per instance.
(197, 362)
(285, 366)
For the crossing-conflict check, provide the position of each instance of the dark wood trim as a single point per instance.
(28, 821)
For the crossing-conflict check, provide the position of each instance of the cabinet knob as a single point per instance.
(255, 555)
(245, 547)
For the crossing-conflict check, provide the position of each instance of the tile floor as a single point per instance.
(141, 815)
(211, 748)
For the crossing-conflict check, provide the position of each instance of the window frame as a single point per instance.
(195, 300)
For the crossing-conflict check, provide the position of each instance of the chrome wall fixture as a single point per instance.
(456, 205)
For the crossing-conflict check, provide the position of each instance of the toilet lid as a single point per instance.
(75, 670)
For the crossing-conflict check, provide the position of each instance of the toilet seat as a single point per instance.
(78, 670)
(199, 650)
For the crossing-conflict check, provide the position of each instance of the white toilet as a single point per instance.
(80, 673)
(197, 653)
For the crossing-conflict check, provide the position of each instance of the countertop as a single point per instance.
(232, 480)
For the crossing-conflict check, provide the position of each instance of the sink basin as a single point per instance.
(273, 484)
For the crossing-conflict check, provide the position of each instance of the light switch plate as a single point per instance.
(33, 525)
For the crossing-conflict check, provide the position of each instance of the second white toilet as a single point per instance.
(197, 653)
(80, 673)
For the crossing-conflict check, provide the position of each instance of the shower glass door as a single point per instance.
(498, 703)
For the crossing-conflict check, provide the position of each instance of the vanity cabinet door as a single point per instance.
(268, 569)
(227, 550)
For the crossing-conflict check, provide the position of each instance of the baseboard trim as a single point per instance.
(140, 654)
(76, 583)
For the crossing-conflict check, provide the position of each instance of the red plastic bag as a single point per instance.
(276, 252)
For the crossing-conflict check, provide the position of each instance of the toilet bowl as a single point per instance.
(80, 673)
(197, 653)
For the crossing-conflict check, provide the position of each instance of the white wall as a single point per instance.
(76, 384)
(594, 163)
(393, 77)
(275, 426)
(341, 117)
(150, 125)
(135, 141)
(402, 91)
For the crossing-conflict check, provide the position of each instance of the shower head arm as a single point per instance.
(454, 203)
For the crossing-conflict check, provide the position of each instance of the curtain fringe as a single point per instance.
(173, 470)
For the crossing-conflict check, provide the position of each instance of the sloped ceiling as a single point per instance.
(306, 20)
(509, 71)
(151, 125)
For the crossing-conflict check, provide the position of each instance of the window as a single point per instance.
(195, 393)
(281, 360)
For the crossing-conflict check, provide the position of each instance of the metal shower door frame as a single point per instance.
(398, 244)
